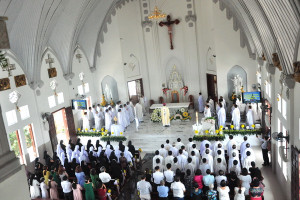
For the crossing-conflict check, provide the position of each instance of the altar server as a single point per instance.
(236, 117)
(201, 103)
(142, 102)
(247, 161)
(138, 111)
(211, 104)
(165, 115)
(121, 120)
(162, 151)
(243, 145)
(85, 122)
(189, 145)
(157, 156)
(229, 144)
(207, 112)
(179, 144)
(108, 120)
(98, 120)
(219, 165)
(131, 112)
(126, 115)
(203, 145)
(221, 116)
(169, 158)
(91, 117)
(250, 117)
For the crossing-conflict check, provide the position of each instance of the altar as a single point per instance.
(172, 106)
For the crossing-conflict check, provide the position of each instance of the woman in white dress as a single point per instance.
(246, 180)
(223, 191)
(34, 187)
(44, 189)
(239, 192)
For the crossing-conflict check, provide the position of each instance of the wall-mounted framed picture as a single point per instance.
(20, 80)
(4, 84)
(52, 72)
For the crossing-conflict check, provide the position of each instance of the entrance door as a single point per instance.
(212, 89)
(61, 126)
(135, 88)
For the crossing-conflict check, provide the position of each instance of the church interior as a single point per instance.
(91, 89)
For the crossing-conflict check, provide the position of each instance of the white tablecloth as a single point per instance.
(171, 105)
(116, 129)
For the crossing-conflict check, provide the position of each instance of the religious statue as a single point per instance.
(103, 102)
(169, 24)
(237, 84)
(108, 93)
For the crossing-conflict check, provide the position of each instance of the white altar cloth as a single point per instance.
(116, 129)
(171, 105)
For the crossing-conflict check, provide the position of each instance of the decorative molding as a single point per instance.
(192, 18)
(147, 23)
(69, 76)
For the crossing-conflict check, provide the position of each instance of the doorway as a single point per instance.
(212, 87)
(61, 126)
(135, 88)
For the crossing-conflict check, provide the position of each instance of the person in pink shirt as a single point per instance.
(198, 178)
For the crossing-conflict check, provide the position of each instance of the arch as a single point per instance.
(236, 70)
(110, 88)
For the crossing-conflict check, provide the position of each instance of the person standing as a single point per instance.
(207, 112)
(138, 111)
(250, 115)
(264, 149)
(221, 116)
(108, 120)
(178, 189)
(201, 103)
(145, 188)
(67, 188)
(89, 191)
(165, 115)
(163, 191)
(236, 117)
(91, 117)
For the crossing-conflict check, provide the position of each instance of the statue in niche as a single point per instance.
(237, 84)
(108, 93)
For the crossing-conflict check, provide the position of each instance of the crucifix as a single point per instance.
(8, 67)
(49, 61)
(79, 56)
(169, 24)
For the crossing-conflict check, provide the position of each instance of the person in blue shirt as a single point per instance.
(208, 180)
(163, 191)
(196, 192)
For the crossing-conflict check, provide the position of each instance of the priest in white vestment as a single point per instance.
(207, 112)
(165, 115)
(201, 103)
(91, 117)
(221, 116)
(250, 117)
(236, 117)
(121, 120)
(138, 111)
(108, 120)
(211, 104)
(131, 112)
(98, 124)
(142, 102)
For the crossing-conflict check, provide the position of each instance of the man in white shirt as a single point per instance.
(103, 176)
(162, 151)
(189, 145)
(243, 145)
(244, 154)
(182, 159)
(209, 160)
(178, 188)
(195, 160)
(264, 148)
(67, 188)
(169, 174)
(236, 167)
(91, 117)
(175, 165)
(184, 151)
(207, 149)
(189, 166)
(203, 145)
(157, 163)
(157, 156)
(157, 177)
(232, 159)
(229, 144)
(168, 145)
(219, 165)
(220, 154)
(234, 150)
(247, 161)
(220, 178)
(169, 159)
(197, 154)
(217, 144)
(204, 166)
(174, 151)
(178, 144)
(221, 116)
(145, 188)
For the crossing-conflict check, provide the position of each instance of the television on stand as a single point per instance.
(79, 104)
(251, 97)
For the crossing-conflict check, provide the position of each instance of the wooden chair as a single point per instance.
(161, 100)
(191, 100)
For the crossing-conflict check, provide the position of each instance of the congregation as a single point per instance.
(77, 171)
(204, 171)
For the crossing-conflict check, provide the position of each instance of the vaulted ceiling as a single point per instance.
(267, 27)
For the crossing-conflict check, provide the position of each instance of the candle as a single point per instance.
(197, 118)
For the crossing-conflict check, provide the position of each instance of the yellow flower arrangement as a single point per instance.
(102, 133)
(121, 133)
(78, 129)
(217, 131)
(253, 125)
(102, 129)
(106, 131)
(206, 131)
(86, 129)
(231, 126)
(94, 129)
(112, 133)
(243, 126)
(221, 127)
(140, 150)
(196, 131)
(185, 114)
(109, 191)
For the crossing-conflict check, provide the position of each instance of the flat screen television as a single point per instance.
(79, 104)
(251, 97)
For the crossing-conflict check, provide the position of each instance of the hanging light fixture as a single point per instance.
(156, 14)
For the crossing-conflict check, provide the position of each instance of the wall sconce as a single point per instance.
(14, 98)
(81, 77)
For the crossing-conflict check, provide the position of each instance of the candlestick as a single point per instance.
(197, 118)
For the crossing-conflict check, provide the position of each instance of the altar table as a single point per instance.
(173, 107)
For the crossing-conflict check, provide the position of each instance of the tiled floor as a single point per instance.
(151, 135)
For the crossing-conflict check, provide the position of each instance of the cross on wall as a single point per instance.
(49, 61)
(9, 67)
